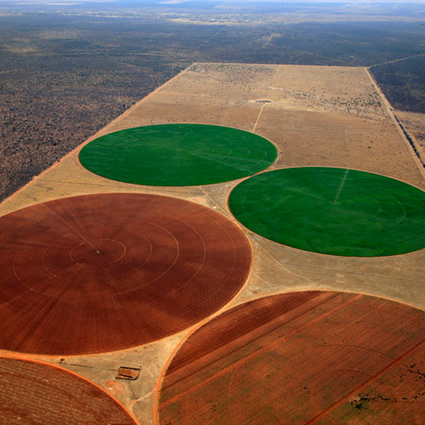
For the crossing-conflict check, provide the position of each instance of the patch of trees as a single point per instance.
(403, 83)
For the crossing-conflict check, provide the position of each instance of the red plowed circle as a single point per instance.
(301, 358)
(35, 393)
(105, 272)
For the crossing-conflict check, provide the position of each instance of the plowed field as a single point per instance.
(104, 272)
(35, 393)
(301, 358)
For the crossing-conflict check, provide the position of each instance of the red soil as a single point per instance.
(35, 393)
(301, 358)
(105, 272)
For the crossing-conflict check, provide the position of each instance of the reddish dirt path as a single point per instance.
(35, 393)
(105, 272)
(301, 358)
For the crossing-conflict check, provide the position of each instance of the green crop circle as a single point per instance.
(178, 155)
(333, 211)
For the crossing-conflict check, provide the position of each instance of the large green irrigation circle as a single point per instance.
(333, 211)
(178, 155)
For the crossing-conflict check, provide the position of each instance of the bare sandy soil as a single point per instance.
(324, 116)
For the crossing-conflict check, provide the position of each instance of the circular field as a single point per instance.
(177, 155)
(105, 272)
(333, 211)
(35, 393)
(301, 358)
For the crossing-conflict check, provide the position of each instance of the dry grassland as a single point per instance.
(324, 116)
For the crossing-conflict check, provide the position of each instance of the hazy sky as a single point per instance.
(220, 6)
(142, 2)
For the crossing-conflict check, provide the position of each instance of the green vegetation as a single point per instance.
(332, 211)
(178, 155)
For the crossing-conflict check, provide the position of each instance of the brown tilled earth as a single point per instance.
(37, 393)
(105, 272)
(323, 116)
(302, 358)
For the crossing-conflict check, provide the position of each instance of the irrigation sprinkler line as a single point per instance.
(73, 230)
(340, 187)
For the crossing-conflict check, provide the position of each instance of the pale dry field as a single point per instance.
(324, 116)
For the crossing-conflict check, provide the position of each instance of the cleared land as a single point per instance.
(323, 116)
(106, 272)
(303, 358)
